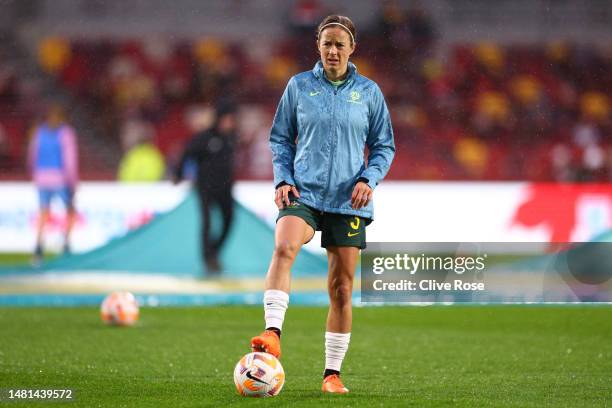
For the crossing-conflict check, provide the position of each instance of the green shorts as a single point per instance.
(336, 229)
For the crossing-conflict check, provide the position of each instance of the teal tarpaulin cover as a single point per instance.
(170, 244)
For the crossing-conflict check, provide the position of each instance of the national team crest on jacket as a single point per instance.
(355, 97)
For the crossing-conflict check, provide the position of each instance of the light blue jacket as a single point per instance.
(319, 136)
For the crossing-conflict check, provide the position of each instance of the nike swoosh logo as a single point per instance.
(315, 93)
(252, 377)
(352, 234)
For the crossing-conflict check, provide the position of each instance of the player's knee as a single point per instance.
(341, 290)
(285, 250)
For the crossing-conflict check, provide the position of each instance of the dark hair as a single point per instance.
(55, 108)
(345, 21)
(225, 106)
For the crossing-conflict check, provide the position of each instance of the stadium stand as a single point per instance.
(479, 111)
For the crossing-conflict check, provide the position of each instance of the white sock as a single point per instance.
(336, 345)
(275, 306)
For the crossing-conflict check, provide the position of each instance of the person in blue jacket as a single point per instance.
(325, 120)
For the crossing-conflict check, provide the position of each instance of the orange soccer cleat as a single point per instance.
(267, 342)
(333, 384)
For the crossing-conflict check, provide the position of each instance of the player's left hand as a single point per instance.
(362, 194)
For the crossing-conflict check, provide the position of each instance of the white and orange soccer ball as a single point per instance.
(120, 308)
(259, 375)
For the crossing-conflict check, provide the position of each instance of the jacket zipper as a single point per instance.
(332, 146)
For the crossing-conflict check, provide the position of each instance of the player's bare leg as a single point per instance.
(43, 217)
(291, 233)
(70, 218)
(342, 263)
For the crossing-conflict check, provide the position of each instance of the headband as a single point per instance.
(341, 25)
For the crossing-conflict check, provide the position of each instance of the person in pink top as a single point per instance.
(53, 160)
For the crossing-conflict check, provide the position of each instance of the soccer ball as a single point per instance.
(120, 308)
(259, 375)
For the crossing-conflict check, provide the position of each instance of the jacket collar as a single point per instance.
(318, 70)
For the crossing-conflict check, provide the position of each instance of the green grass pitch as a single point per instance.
(473, 356)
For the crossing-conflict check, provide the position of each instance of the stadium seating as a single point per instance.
(537, 112)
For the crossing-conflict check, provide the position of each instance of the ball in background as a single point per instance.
(120, 309)
(259, 375)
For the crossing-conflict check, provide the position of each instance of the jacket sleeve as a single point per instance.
(32, 151)
(379, 141)
(71, 156)
(283, 135)
(193, 149)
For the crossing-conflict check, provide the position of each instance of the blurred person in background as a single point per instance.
(212, 151)
(53, 160)
(325, 120)
(142, 161)
(5, 151)
(303, 18)
(305, 15)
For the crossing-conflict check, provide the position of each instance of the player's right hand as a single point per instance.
(281, 197)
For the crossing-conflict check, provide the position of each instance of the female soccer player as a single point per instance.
(53, 160)
(324, 121)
